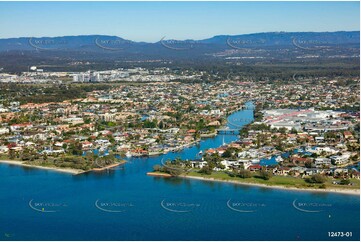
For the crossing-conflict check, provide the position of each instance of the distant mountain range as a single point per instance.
(101, 51)
(306, 40)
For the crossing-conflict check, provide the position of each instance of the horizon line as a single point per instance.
(83, 35)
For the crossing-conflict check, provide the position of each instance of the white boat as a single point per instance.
(279, 159)
(128, 154)
(200, 153)
(255, 161)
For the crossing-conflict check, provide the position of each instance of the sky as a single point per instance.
(150, 21)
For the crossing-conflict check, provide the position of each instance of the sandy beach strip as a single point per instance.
(328, 190)
(158, 174)
(109, 166)
(21, 163)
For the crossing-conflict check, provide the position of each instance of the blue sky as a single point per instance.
(150, 21)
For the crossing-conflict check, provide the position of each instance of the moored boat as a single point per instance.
(128, 154)
(279, 159)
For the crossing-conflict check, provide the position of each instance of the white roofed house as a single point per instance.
(15, 127)
(229, 164)
(326, 149)
(340, 172)
(41, 136)
(340, 159)
(319, 139)
(288, 125)
(312, 171)
(198, 163)
(86, 145)
(53, 152)
(4, 131)
(322, 161)
(244, 163)
(4, 149)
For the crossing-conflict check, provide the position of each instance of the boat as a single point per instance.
(200, 153)
(279, 159)
(128, 154)
(255, 161)
(300, 150)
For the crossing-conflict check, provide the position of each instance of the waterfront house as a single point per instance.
(254, 167)
(322, 161)
(198, 164)
(86, 145)
(282, 171)
(311, 171)
(340, 159)
(300, 160)
(355, 174)
(347, 135)
(4, 149)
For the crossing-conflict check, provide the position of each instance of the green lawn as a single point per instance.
(286, 181)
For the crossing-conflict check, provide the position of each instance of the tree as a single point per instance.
(175, 172)
(345, 182)
(317, 178)
(227, 153)
(282, 130)
(11, 154)
(161, 125)
(206, 170)
(25, 154)
(265, 175)
(244, 174)
(308, 164)
(157, 168)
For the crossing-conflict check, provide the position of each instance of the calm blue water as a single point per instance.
(125, 204)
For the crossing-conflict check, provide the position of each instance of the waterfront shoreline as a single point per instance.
(327, 190)
(109, 166)
(157, 174)
(22, 164)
